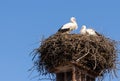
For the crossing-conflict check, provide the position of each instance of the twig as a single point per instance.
(95, 61)
(82, 56)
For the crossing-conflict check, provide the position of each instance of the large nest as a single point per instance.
(95, 53)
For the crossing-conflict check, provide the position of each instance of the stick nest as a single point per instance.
(97, 53)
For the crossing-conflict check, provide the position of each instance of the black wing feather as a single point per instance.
(97, 33)
(63, 30)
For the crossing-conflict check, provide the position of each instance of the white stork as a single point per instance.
(72, 25)
(89, 31)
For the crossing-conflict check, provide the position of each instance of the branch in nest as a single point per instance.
(82, 56)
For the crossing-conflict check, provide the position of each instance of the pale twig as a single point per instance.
(82, 56)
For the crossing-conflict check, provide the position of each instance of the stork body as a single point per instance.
(67, 28)
(91, 32)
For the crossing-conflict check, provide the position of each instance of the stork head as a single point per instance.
(83, 30)
(73, 19)
(84, 27)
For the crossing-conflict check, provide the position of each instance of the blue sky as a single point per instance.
(24, 22)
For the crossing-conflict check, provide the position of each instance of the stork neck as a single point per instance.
(73, 21)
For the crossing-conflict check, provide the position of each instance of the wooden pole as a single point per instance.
(72, 76)
(74, 73)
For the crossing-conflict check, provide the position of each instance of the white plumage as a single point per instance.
(72, 25)
(85, 31)
(91, 32)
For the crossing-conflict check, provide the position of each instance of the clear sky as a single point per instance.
(24, 22)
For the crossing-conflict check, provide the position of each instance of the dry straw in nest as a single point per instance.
(97, 53)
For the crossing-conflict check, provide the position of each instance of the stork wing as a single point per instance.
(66, 26)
